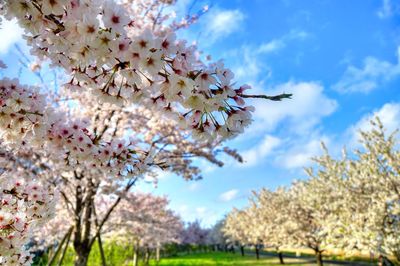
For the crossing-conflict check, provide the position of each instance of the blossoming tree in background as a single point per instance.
(115, 56)
(216, 237)
(236, 228)
(145, 223)
(270, 210)
(194, 236)
(367, 216)
(349, 204)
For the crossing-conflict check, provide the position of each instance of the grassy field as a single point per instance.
(220, 259)
(121, 255)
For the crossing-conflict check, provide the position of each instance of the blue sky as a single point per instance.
(340, 59)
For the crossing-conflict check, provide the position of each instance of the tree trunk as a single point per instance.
(53, 258)
(136, 255)
(280, 255)
(81, 257)
(158, 254)
(257, 252)
(82, 226)
(242, 250)
(103, 257)
(65, 249)
(384, 261)
(318, 255)
(147, 257)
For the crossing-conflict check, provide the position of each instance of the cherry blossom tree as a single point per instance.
(349, 203)
(270, 211)
(144, 221)
(194, 235)
(82, 189)
(25, 205)
(366, 204)
(240, 228)
(123, 63)
(216, 236)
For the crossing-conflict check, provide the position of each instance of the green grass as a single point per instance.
(218, 258)
(115, 254)
(118, 254)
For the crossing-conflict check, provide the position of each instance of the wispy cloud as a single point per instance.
(389, 114)
(373, 74)
(280, 43)
(388, 9)
(251, 64)
(221, 23)
(207, 216)
(300, 152)
(259, 152)
(308, 106)
(290, 130)
(10, 33)
(194, 186)
(229, 195)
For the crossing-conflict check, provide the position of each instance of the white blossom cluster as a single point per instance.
(105, 52)
(25, 118)
(23, 207)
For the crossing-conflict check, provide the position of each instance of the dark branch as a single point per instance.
(276, 98)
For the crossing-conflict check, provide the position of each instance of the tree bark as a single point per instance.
(147, 257)
(280, 255)
(67, 235)
(83, 222)
(65, 249)
(242, 250)
(81, 257)
(158, 254)
(318, 255)
(131, 183)
(103, 257)
(257, 252)
(99, 241)
(136, 255)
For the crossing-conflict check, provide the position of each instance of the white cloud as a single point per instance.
(10, 33)
(388, 9)
(256, 154)
(300, 153)
(271, 46)
(194, 186)
(372, 75)
(250, 65)
(200, 211)
(205, 215)
(297, 121)
(229, 195)
(389, 114)
(280, 43)
(221, 23)
(182, 209)
(307, 107)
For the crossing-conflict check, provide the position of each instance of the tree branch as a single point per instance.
(111, 209)
(276, 98)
